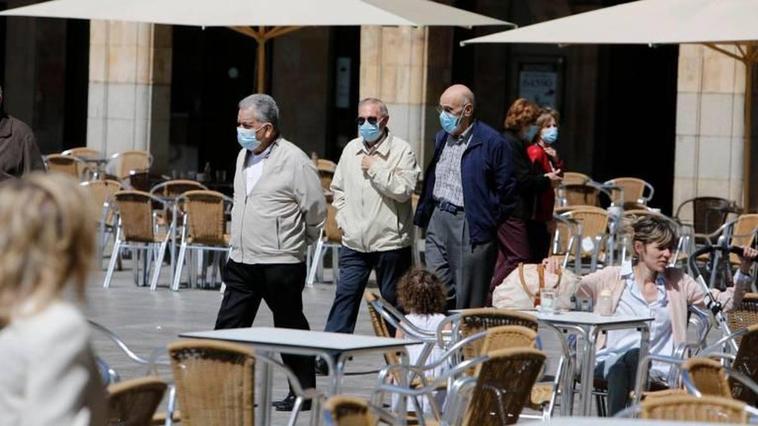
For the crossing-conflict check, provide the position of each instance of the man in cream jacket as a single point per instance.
(278, 210)
(372, 186)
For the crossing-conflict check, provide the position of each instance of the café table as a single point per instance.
(603, 421)
(589, 325)
(334, 348)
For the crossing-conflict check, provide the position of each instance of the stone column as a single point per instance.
(408, 69)
(709, 125)
(130, 89)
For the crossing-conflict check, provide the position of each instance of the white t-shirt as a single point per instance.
(254, 168)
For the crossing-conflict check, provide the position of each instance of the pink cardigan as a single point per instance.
(682, 291)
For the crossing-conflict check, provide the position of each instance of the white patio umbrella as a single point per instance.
(713, 23)
(261, 19)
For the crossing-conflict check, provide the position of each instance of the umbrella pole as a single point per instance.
(747, 126)
(261, 66)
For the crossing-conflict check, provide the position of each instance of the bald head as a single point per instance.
(460, 94)
(458, 100)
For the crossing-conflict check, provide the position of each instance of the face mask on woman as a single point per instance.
(549, 135)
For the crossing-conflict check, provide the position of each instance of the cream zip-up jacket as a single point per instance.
(374, 208)
(284, 211)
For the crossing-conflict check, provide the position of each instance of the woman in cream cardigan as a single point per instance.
(649, 287)
(48, 374)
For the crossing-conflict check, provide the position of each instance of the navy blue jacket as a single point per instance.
(489, 185)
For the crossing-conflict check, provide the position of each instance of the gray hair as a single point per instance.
(375, 101)
(264, 108)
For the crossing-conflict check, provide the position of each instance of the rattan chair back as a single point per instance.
(101, 192)
(83, 152)
(745, 314)
(744, 233)
(508, 336)
(746, 362)
(579, 195)
(325, 170)
(215, 382)
(176, 187)
(122, 163)
(136, 213)
(331, 230)
(65, 164)
(133, 402)
(574, 178)
(473, 321)
(708, 376)
(206, 217)
(633, 188)
(379, 325)
(503, 387)
(594, 220)
(711, 409)
(343, 410)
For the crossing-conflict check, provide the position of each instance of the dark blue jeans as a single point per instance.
(355, 268)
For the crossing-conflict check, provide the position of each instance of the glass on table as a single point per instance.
(548, 302)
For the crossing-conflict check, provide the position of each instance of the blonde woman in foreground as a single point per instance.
(48, 374)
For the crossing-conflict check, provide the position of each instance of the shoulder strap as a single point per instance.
(522, 281)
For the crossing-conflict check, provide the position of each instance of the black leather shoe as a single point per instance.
(288, 404)
(322, 369)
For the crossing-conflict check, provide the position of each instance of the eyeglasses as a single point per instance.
(371, 120)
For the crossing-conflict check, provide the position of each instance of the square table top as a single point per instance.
(287, 337)
(587, 318)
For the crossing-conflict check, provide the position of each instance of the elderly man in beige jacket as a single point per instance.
(278, 210)
(372, 186)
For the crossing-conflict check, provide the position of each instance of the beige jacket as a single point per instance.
(374, 208)
(681, 289)
(49, 376)
(284, 211)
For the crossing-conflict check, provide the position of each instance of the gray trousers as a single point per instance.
(465, 270)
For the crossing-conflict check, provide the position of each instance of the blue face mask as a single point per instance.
(530, 132)
(449, 122)
(370, 132)
(247, 138)
(549, 135)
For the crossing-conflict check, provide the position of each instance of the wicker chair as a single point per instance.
(137, 229)
(574, 178)
(102, 192)
(707, 214)
(325, 170)
(133, 402)
(498, 391)
(68, 165)
(329, 238)
(710, 409)
(745, 314)
(631, 190)
(84, 153)
(144, 180)
(569, 195)
(215, 383)
(592, 225)
(122, 163)
(343, 410)
(708, 376)
(472, 321)
(203, 228)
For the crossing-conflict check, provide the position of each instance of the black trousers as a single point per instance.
(281, 287)
(621, 378)
(355, 268)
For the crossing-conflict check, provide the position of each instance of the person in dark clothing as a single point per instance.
(468, 190)
(512, 235)
(19, 153)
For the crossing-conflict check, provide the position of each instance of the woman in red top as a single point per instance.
(541, 152)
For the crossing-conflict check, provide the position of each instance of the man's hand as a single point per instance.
(555, 178)
(366, 162)
(748, 254)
